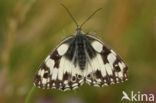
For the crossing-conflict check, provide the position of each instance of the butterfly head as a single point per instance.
(79, 31)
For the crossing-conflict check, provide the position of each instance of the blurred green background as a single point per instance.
(30, 29)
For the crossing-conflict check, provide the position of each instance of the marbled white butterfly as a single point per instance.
(78, 59)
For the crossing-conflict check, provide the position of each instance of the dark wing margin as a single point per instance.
(107, 67)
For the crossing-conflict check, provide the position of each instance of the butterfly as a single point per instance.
(80, 58)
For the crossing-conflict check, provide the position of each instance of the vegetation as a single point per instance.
(30, 29)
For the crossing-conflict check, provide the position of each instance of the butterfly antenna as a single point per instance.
(90, 16)
(70, 14)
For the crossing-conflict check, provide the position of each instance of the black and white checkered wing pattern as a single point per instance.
(106, 67)
(57, 71)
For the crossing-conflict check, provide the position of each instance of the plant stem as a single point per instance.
(30, 94)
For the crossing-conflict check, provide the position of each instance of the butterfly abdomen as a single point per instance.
(81, 57)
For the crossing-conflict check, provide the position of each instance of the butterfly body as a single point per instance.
(80, 47)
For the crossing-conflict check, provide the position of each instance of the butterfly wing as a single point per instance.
(57, 71)
(106, 67)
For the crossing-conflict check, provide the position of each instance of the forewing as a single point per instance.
(57, 71)
(106, 67)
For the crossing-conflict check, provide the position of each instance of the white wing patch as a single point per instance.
(62, 49)
(97, 46)
(106, 67)
(49, 62)
(104, 74)
(111, 58)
